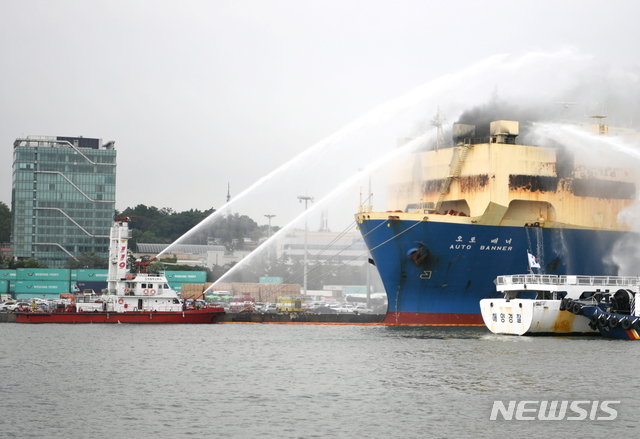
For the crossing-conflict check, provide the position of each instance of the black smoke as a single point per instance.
(499, 109)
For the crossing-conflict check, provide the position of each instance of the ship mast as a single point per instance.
(436, 121)
(118, 250)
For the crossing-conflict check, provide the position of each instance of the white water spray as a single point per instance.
(534, 82)
(339, 190)
(371, 135)
(612, 152)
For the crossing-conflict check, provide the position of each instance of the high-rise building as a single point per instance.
(63, 198)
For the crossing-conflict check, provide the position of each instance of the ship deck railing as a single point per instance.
(552, 279)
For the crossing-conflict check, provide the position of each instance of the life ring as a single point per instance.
(152, 292)
(120, 301)
(146, 291)
(128, 276)
(625, 323)
(613, 322)
(126, 291)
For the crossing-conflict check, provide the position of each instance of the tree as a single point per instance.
(5, 223)
(155, 267)
(26, 263)
(87, 260)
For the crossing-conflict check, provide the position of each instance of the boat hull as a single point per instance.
(611, 324)
(527, 317)
(619, 333)
(159, 317)
(445, 287)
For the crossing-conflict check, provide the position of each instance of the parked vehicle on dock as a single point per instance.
(322, 309)
(270, 308)
(290, 304)
(14, 306)
(242, 303)
(346, 309)
(5, 304)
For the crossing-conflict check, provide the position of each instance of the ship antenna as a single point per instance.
(228, 192)
(436, 121)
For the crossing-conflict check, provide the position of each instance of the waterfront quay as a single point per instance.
(9, 317)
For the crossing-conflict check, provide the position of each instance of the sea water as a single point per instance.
(302, 381)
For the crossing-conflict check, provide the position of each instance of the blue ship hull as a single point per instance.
(456, 264)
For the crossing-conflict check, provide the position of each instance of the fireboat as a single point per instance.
(139, 297)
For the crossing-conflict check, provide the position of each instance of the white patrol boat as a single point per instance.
(535, 303)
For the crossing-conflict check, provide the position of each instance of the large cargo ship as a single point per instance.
(474, 209)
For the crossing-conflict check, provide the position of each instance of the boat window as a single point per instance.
(527, 294)
(143, 285)
(166, 287)
(587, 294)
(544, 295)
(150, 286)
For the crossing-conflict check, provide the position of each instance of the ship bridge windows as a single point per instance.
(550, 295)
(527, 210)
(520, 294)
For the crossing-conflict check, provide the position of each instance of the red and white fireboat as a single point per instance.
(130, 297)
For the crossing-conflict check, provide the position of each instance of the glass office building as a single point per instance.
(63, 198)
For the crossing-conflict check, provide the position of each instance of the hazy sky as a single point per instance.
(201, 94)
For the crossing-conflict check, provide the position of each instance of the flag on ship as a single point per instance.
(533, 261)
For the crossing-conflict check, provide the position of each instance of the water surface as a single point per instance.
(300, 381)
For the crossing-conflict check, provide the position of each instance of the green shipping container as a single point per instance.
(40, 274)
(270, 280)
(27, 296)
(38, 288)
(4, 286)
(7, 274)
(357, 291)
(89, 275)
(186, 277)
